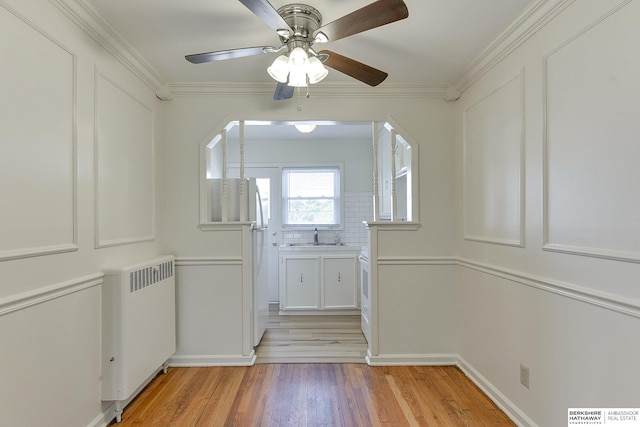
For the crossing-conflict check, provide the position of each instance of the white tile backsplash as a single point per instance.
(358, 207)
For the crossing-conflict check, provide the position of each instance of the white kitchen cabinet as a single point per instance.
(318, 281)
(300, 290)
(339, 274)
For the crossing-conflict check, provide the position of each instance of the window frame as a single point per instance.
(337, 170)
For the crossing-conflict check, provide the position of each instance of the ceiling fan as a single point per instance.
(299, 27)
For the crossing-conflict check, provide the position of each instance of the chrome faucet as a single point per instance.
(315, 236)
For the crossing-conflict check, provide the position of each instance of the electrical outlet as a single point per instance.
(524, 376)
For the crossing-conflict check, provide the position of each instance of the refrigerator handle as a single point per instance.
(259, 200)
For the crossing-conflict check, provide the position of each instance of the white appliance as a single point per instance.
(232, 207)
(138, 327)
(365, 292)
(260, 263)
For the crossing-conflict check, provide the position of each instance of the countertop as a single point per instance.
(319, 248)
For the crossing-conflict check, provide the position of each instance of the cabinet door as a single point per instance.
(340, 284)
(301, 289)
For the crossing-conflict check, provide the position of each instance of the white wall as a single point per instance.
(356, 158)
(192, 120)
(355, 154)
(547, 150)
(77, 181)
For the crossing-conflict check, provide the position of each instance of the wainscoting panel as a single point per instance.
(210, 313)
(51, 355)
(493, 166)
(38, 160)
(591, 205)
(577, 344)
(415, 309)
(124, 166)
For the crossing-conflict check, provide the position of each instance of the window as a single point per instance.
(311, 197)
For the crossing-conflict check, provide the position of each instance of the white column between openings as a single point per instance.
(376, 189)
(225, 182)
(394, 197)
(244, 200)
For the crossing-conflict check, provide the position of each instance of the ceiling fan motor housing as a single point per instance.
(299, 27)
(304, 20)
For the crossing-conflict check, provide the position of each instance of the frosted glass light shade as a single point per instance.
(279, 70)
(298, 59)
(305, 127)
(297, 69)
(317, 70)
(298, 78)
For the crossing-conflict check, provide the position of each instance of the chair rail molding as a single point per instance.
(25, 300)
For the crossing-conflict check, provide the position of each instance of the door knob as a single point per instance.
(274, 244)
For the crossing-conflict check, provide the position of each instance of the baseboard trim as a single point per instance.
(411, 359)
(104, 419)
(212, 360)
(335, 312)
(509, 408)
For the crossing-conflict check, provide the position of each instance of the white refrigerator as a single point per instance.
(260, 263)
(229, 208)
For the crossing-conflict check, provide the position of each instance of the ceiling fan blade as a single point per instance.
(351, 67)
(220, 55)
(267, 13)
(283, 91)
(374, 15)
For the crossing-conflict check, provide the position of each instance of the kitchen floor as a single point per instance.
(312, 339)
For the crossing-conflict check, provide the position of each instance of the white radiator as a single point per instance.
(138, 327)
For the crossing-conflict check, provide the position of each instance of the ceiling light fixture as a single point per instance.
(299, 69)
(305, 127)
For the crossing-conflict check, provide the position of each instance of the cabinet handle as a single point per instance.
(338, 276)
(300, 277)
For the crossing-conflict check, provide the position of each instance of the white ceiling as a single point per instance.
(432, 47)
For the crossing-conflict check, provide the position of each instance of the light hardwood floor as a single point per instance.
(313, 395)
(312, 339)
(290, 388)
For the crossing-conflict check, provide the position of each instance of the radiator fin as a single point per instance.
(148, 276)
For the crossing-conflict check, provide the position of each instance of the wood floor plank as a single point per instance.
(219, 405)
(313, 395)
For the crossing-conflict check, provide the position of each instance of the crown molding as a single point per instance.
(319, 91)
(87, 18)
(528, 23)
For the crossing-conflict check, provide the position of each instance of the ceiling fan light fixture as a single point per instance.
(298, 59)
(305, 127)
(317, 71)
(298, 69)
(279, 70)
(298, 77)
